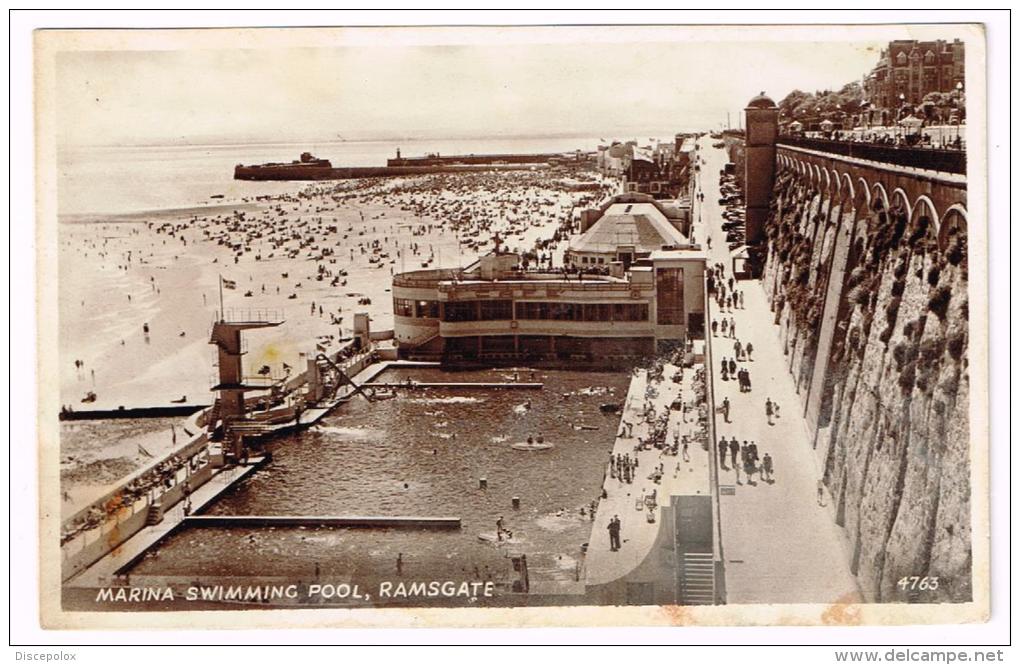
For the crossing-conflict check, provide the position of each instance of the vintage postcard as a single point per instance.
(515, 326)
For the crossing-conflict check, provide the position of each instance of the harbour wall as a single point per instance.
(361, 172)
(866, 274)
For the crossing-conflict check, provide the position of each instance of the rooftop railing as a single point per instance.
(932, 159)
(236, 315)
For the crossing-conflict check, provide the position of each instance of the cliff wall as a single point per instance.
(873, 314)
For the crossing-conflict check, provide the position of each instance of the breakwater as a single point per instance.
(242, 172)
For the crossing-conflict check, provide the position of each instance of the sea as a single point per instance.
(113, 180)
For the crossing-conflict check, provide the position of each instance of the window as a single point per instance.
(460, 311)
(529, 310)
(597, 312)
(428, 309)
(403, 307)
(630, 312)
(591, 312)
(496, 310)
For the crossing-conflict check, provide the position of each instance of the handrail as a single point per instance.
(932, 159)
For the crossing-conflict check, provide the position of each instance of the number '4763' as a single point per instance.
(919, 583)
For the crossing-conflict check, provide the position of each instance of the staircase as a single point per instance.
(697, 579)
(155, 514)
(213, 417)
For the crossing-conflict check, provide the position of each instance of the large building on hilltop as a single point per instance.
(914, 69)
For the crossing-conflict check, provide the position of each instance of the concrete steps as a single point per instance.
(697, 579)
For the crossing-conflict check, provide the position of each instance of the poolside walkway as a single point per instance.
(637, 534)
(102, 572)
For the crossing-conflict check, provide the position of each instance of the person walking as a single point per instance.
(726, 409)
(766, 468)
(768, 410)
(715, 328)
(821, 492)
(747, 380)
(734, 449)
(614, 533)
(749, 349)
(723, 447)
(733, 327)
(733, 367)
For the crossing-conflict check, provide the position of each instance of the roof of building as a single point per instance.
(641, 225)
(688, 253)
(645, 154)
(761, 101)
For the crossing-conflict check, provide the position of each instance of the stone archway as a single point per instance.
(954, 219)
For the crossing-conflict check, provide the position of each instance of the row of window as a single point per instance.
(504, 310)
(422, 309)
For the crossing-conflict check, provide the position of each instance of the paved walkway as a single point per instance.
(637, 534)
(102, 572)
(780, 545)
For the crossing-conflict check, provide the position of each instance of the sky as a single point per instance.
(463, 91)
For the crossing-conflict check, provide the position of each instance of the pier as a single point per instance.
(459, 385)
(345, 521)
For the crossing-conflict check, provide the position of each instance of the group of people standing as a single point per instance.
(622, 467)
(727, 297)
(747, 452)
(730, 371)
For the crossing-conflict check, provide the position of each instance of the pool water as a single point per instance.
(423, 454)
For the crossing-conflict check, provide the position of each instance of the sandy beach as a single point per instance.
(140, 291)
(318, 256)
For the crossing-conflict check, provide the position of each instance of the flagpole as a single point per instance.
(221, 298)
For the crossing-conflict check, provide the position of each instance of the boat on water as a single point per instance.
(531, 445)
(490, 537)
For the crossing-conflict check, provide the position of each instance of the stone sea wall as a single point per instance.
(893, 429)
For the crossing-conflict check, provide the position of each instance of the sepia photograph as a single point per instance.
(562, 325)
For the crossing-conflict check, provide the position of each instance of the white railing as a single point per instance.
(235, 315)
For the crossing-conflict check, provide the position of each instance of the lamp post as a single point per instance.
(903, 100)
(959, 93)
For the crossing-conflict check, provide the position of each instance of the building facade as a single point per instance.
(493, 312)
(913, 69)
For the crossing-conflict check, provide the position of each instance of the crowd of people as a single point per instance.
(157, 480)
(668, 438)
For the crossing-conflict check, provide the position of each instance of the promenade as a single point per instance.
(779, 544)
(627, 500)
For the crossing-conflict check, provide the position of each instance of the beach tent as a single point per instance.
(739, 262)
(911, 122)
